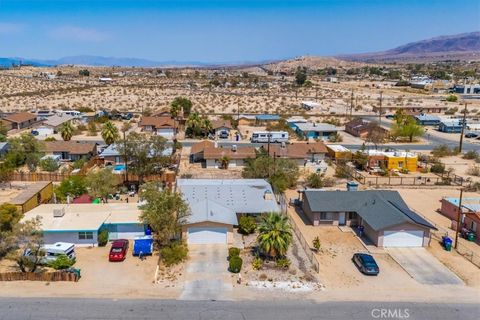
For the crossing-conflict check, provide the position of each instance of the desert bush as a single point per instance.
(49, 165)
(235, 264)
(247, 225)
(452, 98)
(438, 167)
(233, 252)
(443, 151)
(471, 155)
(316, 243)
(62, 262)
(103, 238)
(283, 263)
(342, 171)
(174, 253)
(474, 171)
(257, 263)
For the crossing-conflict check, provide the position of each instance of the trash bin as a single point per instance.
(447, 243)
(471, 236)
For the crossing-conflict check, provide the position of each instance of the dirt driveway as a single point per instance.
(423, 266)
(206, 274)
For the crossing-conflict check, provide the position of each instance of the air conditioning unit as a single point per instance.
(58, 213)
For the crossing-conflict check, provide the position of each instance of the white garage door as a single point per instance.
(207, 235)
(404, 238)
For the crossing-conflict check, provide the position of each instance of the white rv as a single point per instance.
(74, 113)
(270, 136)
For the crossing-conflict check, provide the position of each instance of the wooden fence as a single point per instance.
(41, 276)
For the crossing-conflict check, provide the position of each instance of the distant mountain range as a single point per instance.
(465, 46)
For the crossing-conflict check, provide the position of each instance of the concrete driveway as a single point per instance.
(423, 266)
(206, 274)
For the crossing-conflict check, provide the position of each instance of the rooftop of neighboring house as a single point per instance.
(216, 124)
(72, 147)
(200, 146)
(427, 117)
(28, 193)
(226, 198)
(297, 150)
(112, 151)
(234, 153)
(157, 122)
(379, 208)
(318, 127)
(452, 122)
(296, 120)
(337, 148)
(391, 154)
(20, 117)
(57, 120)
(267, 117)
(471, 204)
(83, 217)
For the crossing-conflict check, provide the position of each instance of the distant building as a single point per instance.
(55, 122)
(427, 120)
(236, 156)
(450, 126)
(411, 109)
(314, 130)
(34, 195)
(467, 89)
(339, 152)
(162, 126)
(222, 128)
(19, 120)
(392, 160)
(302, 153)
(266, 118)
(470, 211)
(360, 128)
(71, 150)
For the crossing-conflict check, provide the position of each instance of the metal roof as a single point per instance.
(471, 204)
(379, 208)
(317, 127)
(265, 117)
(226, 198)
(112, 151)
(30, 192)
(57, 120)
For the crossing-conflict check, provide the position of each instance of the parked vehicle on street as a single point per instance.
(471, 135)
(270, 136)
(118, 251)
(366, 264)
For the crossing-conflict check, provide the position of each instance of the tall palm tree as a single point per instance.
(66, 131)
(110, 133)
(194, 122)
(275, 235)
(206, 126)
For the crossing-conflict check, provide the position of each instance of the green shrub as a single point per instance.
(233, 252)
(283, 263)
(103, 238)
(443, 151)
(452, 98)
(247, 225)
(235, 264)
(316, 243)
(471, 155)
(257, 263)
(437, 167)
(62, 262)
(49, 165)
(174, 253)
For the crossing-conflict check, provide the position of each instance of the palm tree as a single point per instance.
(66, 131)
(110, 133)
(207, 126)
(193, 122)
(275, 235)
(224, 161)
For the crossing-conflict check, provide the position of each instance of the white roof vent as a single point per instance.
(58, 213)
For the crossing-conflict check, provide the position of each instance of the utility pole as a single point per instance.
(459, 216)
(125, 157)
(268, 152)
(380, 109)
(464, 123)
(351, 105)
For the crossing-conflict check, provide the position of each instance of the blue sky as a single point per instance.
(224, 31)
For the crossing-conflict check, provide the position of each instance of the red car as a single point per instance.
(119, 249)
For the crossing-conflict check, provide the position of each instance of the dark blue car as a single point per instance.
(366, 264)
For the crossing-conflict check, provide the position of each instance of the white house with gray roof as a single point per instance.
(216, 204)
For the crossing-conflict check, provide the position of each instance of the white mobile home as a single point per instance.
(270, 136)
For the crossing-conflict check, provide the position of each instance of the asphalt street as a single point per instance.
(98, 309)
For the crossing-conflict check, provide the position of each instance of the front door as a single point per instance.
(341, 218)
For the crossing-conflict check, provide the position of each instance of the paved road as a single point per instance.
(54, 309)
(206, 274)
(423, 267)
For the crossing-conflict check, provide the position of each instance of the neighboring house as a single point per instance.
(470, 210)
(236, 156)
(386, 219)
(314, 130)
(81, 223)
(411, 109)
(360, 128)
(222, 128)
(263, 119)
(216, 205)
(111, 155)
(338, 152)
(392, 160)
(4, 146)
(427, 120)
(302, 153)
(291, 121)
(19, 120)
(467, 89)
(163, 126)
(34, 195)
(56, 121)
(451, 126)
(197, 150)
(246, 120)
(71, 150)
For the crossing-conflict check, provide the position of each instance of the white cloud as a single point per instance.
(10, 28)
(78, 33)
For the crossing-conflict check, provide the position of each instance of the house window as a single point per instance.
(473, 226)
(400, 164)
(85, 235)
(352, 215)
(326, 216)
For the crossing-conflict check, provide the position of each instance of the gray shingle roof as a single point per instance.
(379, 208)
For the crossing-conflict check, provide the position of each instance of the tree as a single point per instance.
(275, 235)
(318, 180)
(165, 211)
(26, 238)
(3, 132)
(66, 131)
(9, 216)
(49, 164)
(194, 123)
(92, 128)
(206, 126)
(375, 134)
(281, 173)
(316, 243)
(73, 186)
(224, 161)
(24, 150)
(300, 76)
(145, 154)
(181, 104)
(407, 127)
(110, 133)
(6, 172)
(84, 73)
(452, 98)
(101, 184)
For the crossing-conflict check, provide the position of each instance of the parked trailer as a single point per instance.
(270, 136)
